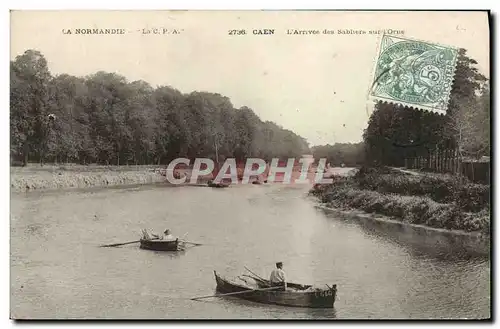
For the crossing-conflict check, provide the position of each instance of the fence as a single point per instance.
(448, 161)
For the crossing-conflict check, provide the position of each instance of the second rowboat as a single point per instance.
(296, 296)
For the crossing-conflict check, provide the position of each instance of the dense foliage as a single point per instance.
(411, 209)
(440, 188)
(437, 200)
(103, 118)
(349, 154)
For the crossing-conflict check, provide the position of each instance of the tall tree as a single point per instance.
(106, 119)
(30, 95)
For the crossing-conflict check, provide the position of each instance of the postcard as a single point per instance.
(290, 165)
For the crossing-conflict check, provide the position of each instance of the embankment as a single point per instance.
(34, 178)
(424, 201)
(52, 177)
(419, 238)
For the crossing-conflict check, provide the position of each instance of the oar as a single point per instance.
(251, 276)
(236, 293)
(193, 243)
(254, 278)
(254, 274)
(121, 244)
(266, 281)
(242, 279)
(331, 288)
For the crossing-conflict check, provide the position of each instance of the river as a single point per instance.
(57, 270)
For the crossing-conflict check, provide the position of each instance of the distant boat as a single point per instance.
(217, 185)
(158, 244)
(162, 245)
(295, 296)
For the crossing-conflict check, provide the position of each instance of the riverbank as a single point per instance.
(430, 200)
(50, 231)
(55, 177)
(431, 240)
(51, 177)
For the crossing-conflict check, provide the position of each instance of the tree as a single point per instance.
(470, 126)
(106, 119)
(30, 78)
(67, 103)
(466, 86)
(349, 154)
(170, 133)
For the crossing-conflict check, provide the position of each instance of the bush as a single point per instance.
(473, 197)
(409, 209)
(438, 187)
(435, 200)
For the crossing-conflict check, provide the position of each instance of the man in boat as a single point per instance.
(166, 236)
(278, 278)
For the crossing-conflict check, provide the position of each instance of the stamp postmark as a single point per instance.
(414, 73)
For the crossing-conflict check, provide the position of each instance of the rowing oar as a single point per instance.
(331, 288)
(242, 279)
(122, 244)
(237, 293)
(254, 278)
(254, 274)
(193, 243)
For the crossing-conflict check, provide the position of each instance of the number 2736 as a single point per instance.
(237, 32)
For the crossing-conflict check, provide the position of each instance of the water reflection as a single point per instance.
(169, 254)
(270, 311)
(419, 242)
(381, 272)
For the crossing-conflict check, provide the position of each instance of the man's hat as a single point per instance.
(279, 263)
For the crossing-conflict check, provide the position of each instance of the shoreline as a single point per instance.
(431, 240)
(51, 179)
(434, 208)
(386, 219)
(406, 209)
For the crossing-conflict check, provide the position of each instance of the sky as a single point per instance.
(314, 85)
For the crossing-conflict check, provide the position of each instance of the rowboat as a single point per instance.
(296, 295)
(162, 245)
(217, 185)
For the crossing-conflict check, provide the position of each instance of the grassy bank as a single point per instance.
(438, 201)
(48, 177)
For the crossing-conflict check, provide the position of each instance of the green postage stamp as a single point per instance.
(414, 73)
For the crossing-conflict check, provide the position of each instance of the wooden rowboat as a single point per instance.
(217, 185)
(293, 296)
(162, 245)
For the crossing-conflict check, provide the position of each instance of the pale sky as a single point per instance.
(314, 85)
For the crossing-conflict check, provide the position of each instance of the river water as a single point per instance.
(57, 270)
